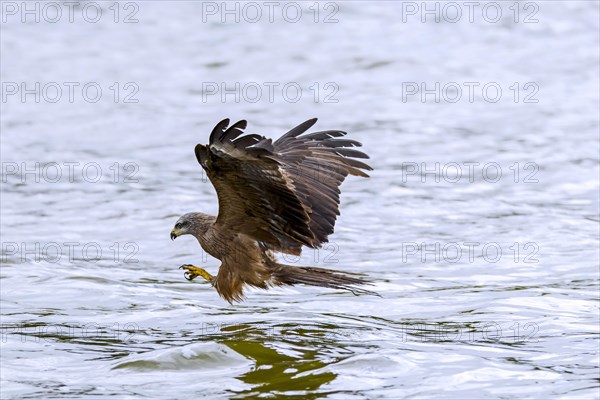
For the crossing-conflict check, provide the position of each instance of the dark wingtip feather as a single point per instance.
(218, 130)
(321, 135)
(298, 130)
(233, 131)
(351, 153)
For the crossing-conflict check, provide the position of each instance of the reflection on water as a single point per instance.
(479, 225)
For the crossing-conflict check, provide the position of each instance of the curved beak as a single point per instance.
(173, 234)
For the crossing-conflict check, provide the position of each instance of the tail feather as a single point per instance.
(314, 276)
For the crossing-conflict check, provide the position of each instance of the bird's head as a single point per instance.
(183, 226)
(191, 224)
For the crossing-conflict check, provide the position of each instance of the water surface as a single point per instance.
(455, 319)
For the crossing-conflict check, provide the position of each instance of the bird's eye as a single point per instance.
(178, 225)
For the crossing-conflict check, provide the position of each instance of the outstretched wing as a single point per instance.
(283, 194)
(317, 163)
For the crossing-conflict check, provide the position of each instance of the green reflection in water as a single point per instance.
(289, 360)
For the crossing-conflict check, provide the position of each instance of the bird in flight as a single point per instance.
(273, 197)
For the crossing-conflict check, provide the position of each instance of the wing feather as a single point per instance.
(284, 194)
(298, 130)
(218, 130)
(233, 131)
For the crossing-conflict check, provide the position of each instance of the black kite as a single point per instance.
(273, 197)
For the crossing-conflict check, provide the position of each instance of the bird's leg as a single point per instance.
(191, 272)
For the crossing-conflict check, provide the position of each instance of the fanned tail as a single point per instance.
(292, 275)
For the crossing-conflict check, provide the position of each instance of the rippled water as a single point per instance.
(99, 307)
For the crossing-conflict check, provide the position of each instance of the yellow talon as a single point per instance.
(192, 272)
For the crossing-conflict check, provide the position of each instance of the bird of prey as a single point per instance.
(273, 197)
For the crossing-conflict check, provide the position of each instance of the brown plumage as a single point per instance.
(273, 196)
